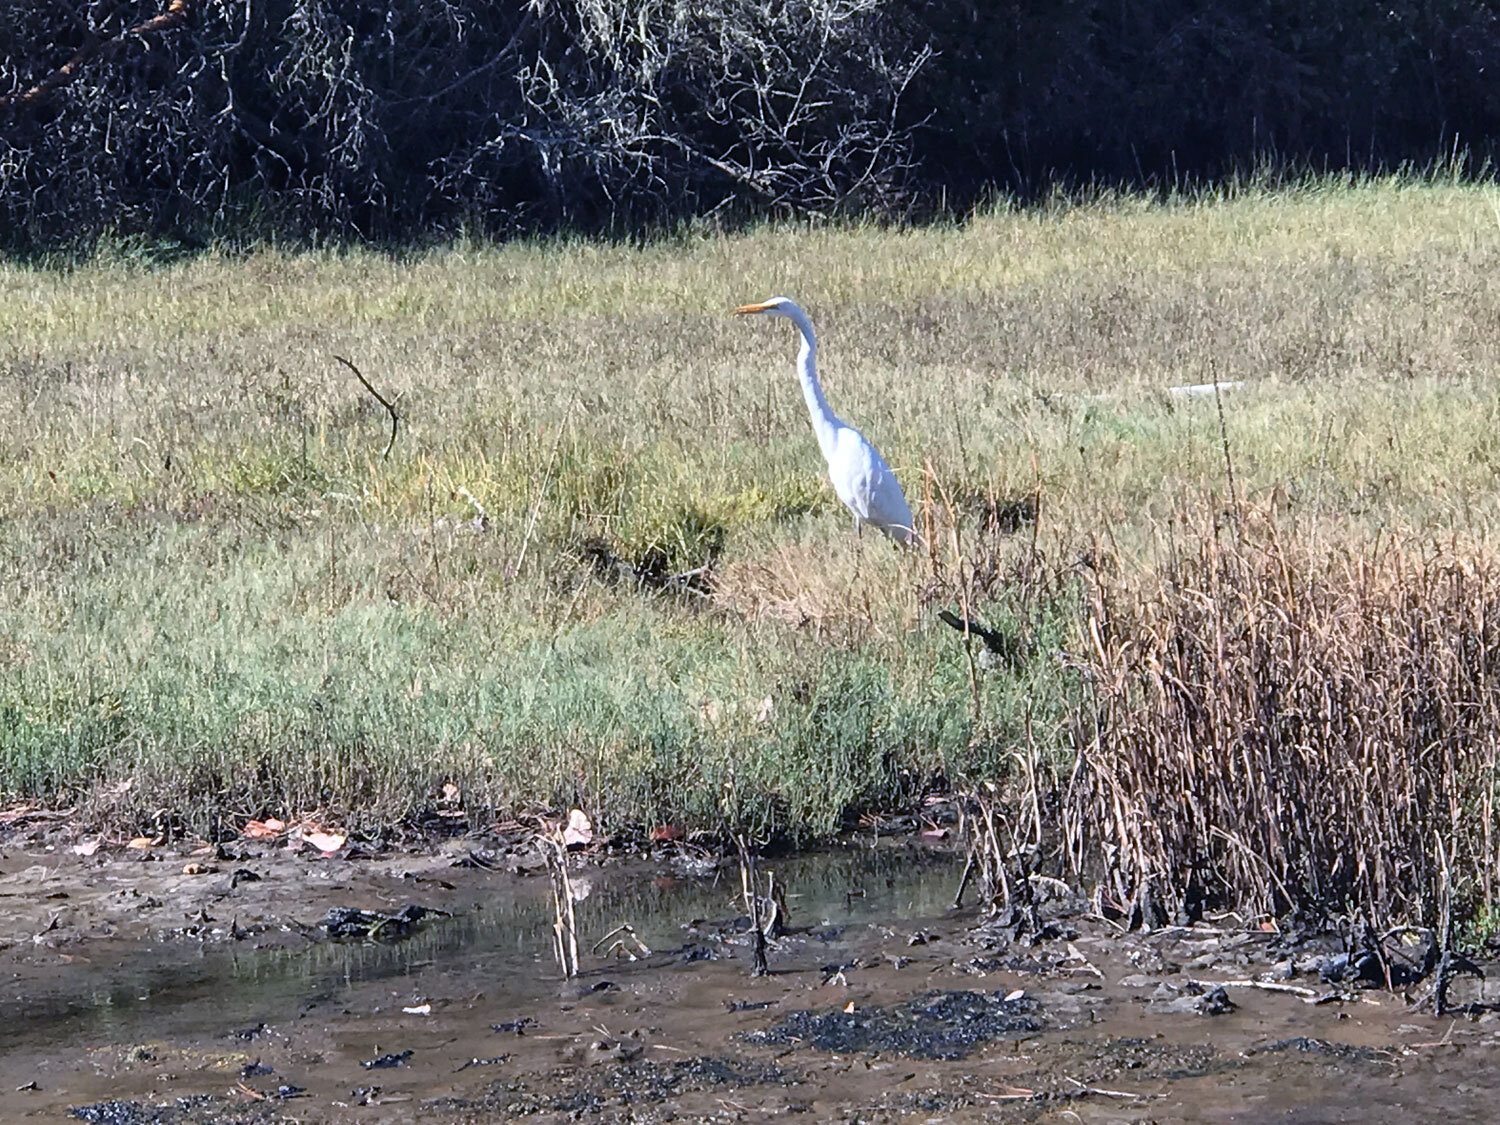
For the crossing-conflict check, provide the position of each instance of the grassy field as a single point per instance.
(212, 582)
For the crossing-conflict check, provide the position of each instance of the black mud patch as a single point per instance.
(184, 1111)
(936, 1025)
(641, 1082)
(1136, 1058)
(1019, 963)
(124, 1113)
(653, 1081)
(1345, 1052)
(346, 922)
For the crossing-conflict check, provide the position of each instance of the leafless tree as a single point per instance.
(329, 115)
(192, 118)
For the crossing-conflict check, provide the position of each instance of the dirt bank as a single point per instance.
(137, 992)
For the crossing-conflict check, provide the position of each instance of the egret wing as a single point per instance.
(866, 484)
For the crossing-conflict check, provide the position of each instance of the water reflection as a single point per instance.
(146, 992)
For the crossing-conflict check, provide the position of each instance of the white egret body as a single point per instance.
(861, 478)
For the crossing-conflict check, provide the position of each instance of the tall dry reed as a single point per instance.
(1280, 726)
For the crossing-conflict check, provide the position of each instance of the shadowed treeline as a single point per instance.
(201, 119)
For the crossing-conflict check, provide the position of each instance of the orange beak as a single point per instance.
(745, 310)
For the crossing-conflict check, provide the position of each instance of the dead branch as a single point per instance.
(1263, 985)
(175, 16)
(1100, 1092)
(564, 917)
(389, 408)
(749, 886)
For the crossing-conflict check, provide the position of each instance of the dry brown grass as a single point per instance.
(211, 579)
(1278, 727)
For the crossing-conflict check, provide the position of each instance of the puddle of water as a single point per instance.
(183, 989)
(856, 1020)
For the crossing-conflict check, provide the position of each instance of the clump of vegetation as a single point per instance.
(1283, 726)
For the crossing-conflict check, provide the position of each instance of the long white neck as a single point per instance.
(824, 421)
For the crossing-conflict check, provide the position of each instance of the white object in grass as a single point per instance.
(860, 476)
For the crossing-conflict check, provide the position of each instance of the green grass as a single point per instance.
(212, 581)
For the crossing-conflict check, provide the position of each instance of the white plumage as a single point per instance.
(861, 478)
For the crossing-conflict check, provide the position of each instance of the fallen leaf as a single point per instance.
(140, 843)
(198, 869)
(935, 833)
(849, 1007)
(419, 1010)
(325, 842)
(86, 847)
(579, 829)
(263, 829)
(1017, 994)
(665, 832)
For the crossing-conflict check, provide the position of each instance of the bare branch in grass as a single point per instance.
(380, 398)
(1234, 497)
(536, 506)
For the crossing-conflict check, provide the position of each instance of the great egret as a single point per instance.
(862, 479)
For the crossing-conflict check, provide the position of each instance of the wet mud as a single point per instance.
(313, 989)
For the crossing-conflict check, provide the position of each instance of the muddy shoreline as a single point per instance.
(161, 985)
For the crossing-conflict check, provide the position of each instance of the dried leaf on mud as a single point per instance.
(325, 842)
(579, 829)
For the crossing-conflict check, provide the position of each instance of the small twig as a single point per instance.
(629, 931)
(1234, 496)
(963, 880)
(1445, 1041)
(749, 885)
(1263, 985)
(380, 398)
(536, 506)
(1445, 933)
(564, 921)
(1099, 1091)
(1074, 955)
(1018, 1093)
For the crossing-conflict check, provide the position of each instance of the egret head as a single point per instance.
(776, 306)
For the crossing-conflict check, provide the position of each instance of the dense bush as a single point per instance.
(330, 117)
